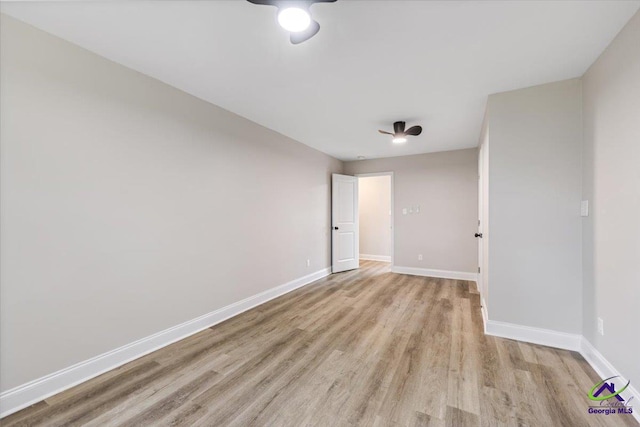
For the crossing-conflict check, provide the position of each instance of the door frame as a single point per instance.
(481, 220)
(393, 208)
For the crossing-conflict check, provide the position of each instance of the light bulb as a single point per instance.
(399, 140)
(294, 19)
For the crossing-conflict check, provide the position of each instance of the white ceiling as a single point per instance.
(427, 62)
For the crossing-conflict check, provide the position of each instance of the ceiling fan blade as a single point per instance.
(264, 2)
(398, 127)
(288, 2)
(297, 38)
(385, 132)
(414, 130)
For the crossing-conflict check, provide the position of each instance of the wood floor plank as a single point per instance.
(462, 391)
(361, 348)
(457, 417)
(172, 402)
(424, 420)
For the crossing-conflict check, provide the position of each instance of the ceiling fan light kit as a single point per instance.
(294, 19)
(294, 16)
(399, 133)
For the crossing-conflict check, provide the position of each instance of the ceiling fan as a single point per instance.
(400, 134)
(294, 16)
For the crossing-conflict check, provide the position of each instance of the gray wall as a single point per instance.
(374, 201)
(128, 207)
(535, 272)
(445, 185)
(611, 182)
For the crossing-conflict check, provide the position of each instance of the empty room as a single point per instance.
(320, 213)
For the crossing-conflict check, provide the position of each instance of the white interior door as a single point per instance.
(345, 237)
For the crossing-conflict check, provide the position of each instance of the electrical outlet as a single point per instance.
(600, 326)
(308, 263)
(584, 208)
(420, 257)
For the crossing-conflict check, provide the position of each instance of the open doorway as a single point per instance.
(375, 210)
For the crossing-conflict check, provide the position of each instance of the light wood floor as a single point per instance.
(366, 347)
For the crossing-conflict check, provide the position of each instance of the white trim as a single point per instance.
(573, 342)
(383, 258)
(533, 335)
(606, 370)
(34, 391)
(365, 175)
(443, 274)
(393, 221)
(483, 310)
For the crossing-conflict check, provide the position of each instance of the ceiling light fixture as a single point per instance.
(399, 133)
(294, 19)
(294, 16)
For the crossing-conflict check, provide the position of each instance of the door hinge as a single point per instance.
(478, 269)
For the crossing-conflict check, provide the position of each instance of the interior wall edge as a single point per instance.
(485, 314)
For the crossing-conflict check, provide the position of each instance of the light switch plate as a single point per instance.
(584, 208)
(600, 326)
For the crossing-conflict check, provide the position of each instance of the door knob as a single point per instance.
(478, 235)
(335, 228)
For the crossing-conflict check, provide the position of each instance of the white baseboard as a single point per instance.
(368, 257)
(574, 342)
(34, 391)
(483, 310)
(533, 335)
(443, 274)
(606, 370)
